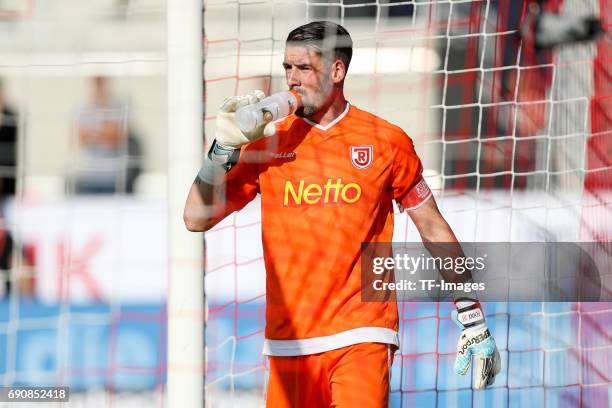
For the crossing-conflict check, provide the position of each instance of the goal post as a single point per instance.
(185, 303)
(103, 289)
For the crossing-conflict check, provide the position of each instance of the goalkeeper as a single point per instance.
(327, 176)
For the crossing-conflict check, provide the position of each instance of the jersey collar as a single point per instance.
(332, 123)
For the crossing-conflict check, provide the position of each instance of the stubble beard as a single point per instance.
(309, 109)
(306, 111)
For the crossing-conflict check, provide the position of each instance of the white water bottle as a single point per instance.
(274, 107)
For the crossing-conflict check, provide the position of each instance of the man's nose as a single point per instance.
(293, 78)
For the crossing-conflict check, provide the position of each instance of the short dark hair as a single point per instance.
(324, 36)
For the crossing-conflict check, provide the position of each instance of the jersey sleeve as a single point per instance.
(409, 188)
(241, 183)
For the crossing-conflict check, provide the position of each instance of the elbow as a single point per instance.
(193, 226)
(197, 224)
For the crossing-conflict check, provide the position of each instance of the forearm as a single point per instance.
(206, 199)
(475, 339)
(206, 203)
(442, 243)
(199, 212)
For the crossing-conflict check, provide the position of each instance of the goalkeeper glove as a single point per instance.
(225, 150)
(477, 341)
(228, 133)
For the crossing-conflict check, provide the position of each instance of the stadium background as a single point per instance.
(515, 141)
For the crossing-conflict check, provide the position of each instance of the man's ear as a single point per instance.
(338, 71)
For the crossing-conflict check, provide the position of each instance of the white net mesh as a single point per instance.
(514, 144)
(503, 131)
(83, 165)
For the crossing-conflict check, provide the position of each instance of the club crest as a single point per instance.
(361, 156)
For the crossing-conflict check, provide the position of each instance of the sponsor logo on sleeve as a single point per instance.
(422, 189)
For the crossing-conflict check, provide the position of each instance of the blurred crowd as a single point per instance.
(110, 162)
(9, 123)
(111, 151)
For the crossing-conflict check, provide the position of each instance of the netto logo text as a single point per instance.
(333, 191)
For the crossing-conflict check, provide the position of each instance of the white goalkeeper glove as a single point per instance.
(225, 150)
(228, 133)
(477, 341)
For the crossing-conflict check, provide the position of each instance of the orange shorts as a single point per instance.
(353, 376)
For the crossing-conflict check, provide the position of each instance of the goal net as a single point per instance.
(513, 140)
(515, 143)
(83, 203)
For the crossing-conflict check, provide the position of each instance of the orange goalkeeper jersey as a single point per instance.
(324, 191)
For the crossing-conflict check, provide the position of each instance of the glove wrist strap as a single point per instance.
(469, 313)
(218, 161)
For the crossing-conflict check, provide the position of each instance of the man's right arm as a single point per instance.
(215, 192)
(203, 203)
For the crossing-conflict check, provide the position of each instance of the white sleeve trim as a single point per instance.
(314, 345)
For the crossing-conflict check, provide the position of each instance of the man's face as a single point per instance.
(309, 74)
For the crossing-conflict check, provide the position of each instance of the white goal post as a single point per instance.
(185, 362)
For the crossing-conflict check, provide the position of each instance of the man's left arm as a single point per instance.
(475, 338)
